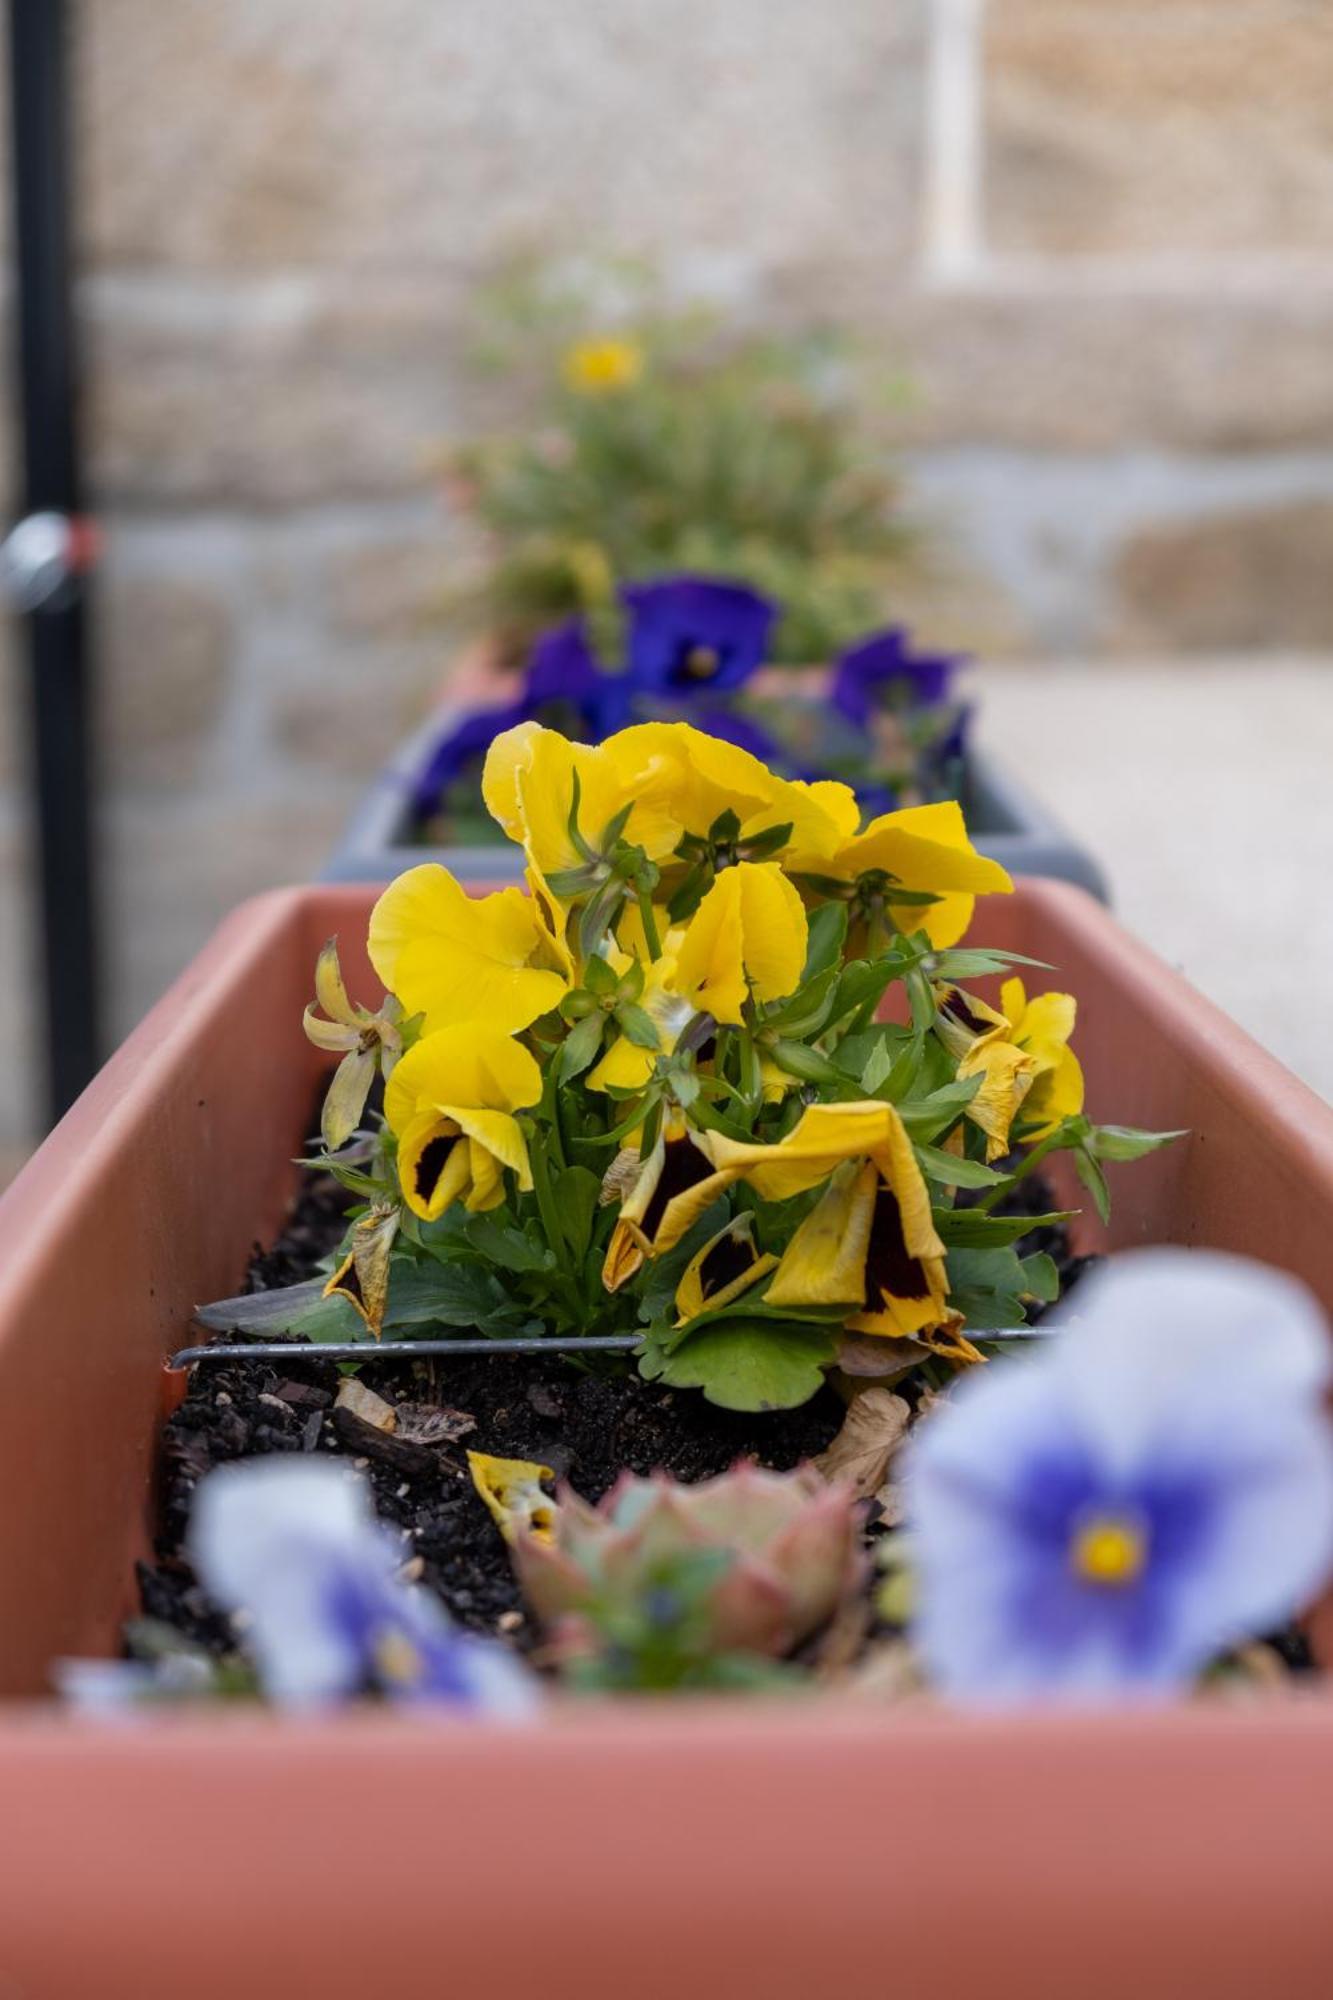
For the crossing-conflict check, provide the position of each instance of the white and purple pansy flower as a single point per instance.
(1152, 1489)
(295, 1548)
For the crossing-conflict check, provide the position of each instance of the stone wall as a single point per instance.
(1095, 234)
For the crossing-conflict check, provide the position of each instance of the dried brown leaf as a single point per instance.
(433, 1423)
(873, 1428)
(877, 1360)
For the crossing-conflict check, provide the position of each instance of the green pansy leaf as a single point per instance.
(581, 1047)
(747, 1364)
(972, 1229)
(577, 1193)
(950, 1171)
(506, 1246)
(825, 935)
(1125, 1142)
(968, 964)
(1094, 1180)
(295, 1310)
(877, 1066)
(809, 1066)
(638, 1026)
(1041, 1278)
(928, 1117)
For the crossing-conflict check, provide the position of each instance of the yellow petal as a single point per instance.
(512, 1491)
(433, 1168)
(1006, 1076)
(747, 936)
(455, 957)
(345, 1098)
(330, 992)
(704, 1285)
(825, 1261)
(499, 1136)
(824, 1135)
(469, 1067)
(625, 1066)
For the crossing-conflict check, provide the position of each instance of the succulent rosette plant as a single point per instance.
(714, 1084)
(661, 1582)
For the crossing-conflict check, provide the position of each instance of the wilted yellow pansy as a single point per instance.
(455, 957)
(451, 1101)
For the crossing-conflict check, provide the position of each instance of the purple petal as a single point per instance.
(690, 633)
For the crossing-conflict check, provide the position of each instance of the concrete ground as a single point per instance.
(1205, 786)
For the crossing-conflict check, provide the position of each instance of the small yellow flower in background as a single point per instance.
(603, 366)
(922, 849)
(512, 1491)
(458, 958)
(451, 1101)
(747, 937)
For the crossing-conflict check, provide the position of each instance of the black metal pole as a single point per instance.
(56, 628)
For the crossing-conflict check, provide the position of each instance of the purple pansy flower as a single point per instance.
(1153, 1489)
(877, 663)
(297, 1547)
(689, 634)
(563, 668)
(465, 745)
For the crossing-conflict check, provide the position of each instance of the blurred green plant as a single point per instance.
(654, 440)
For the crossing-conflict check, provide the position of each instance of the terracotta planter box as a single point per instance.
(377, 843)
(791, 1849)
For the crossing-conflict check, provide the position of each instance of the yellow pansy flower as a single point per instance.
(747, 938)
(923, 849)
(528, 783)
(870, 1240)
(602, 366)
(727, 1265)
(456, 958)
(701, 777)
(451, 1101)
(1021, 1055)
(661, 1197)
(1042, 1028)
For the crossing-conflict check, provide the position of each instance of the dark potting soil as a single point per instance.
(587, 1423)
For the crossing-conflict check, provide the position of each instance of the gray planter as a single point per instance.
(1004, 820)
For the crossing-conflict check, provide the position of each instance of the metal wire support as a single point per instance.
(397, 1350)
(417, 1350)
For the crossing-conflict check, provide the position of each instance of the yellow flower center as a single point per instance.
(1109, 1549)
